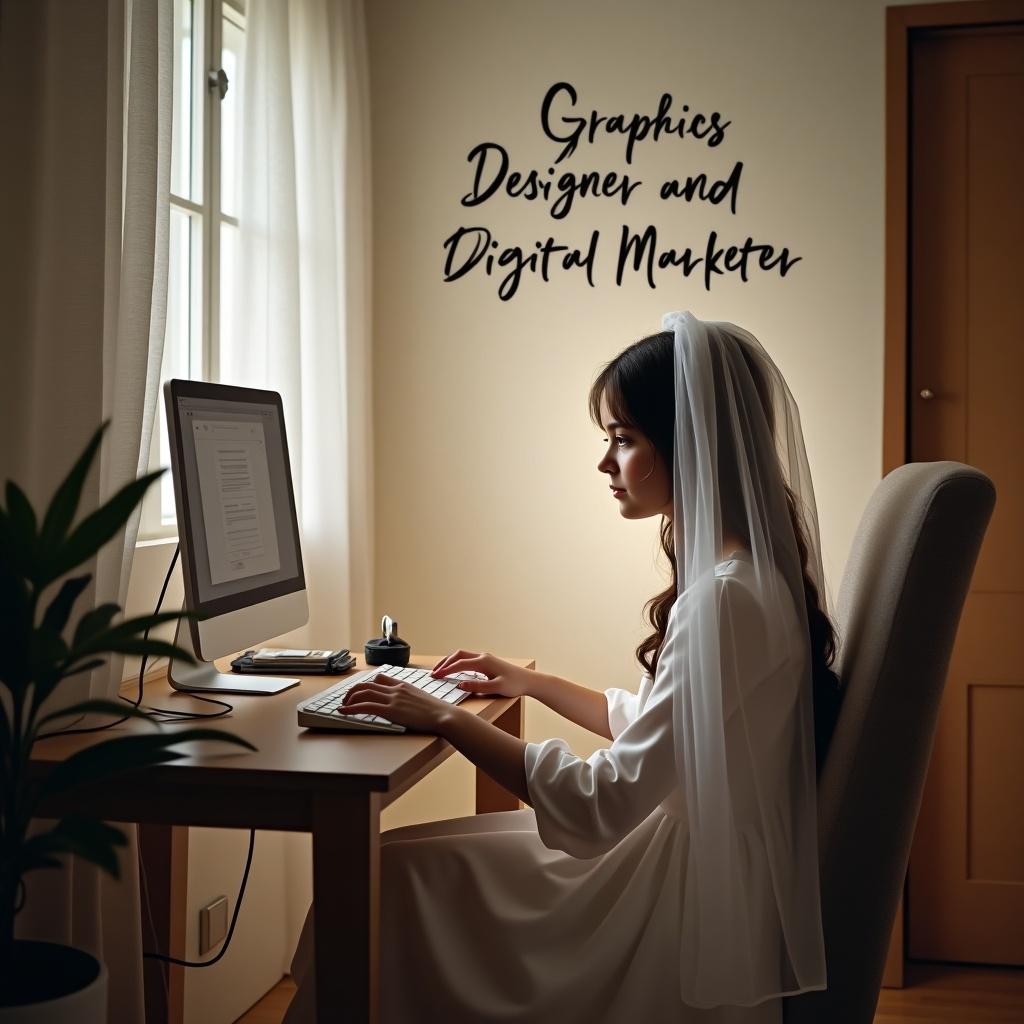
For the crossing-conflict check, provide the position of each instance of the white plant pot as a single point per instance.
(74, 989)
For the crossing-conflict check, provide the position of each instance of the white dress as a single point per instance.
(568, 911)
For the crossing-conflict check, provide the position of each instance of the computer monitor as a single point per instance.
(241, 562)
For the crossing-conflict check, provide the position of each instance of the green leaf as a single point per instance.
(206, 733)
(97, 763)
(86, 837)
(47, 682)
(87, 666)
(64, 503)
(97, 706)
(152, 648)
(94, 621)
(95, 530)
(129, 629)
(127, 753)
(32, 863)
(42, 844)
(15, 558)
(93, 840)
(15, 630)
(59, 610)
(47, 652)
(21, 515)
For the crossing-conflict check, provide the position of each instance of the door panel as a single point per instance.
(965, 897)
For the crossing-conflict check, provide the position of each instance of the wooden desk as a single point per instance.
(333, 785)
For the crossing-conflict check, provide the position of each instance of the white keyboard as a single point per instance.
(321, 710)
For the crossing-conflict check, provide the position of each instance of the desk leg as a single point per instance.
(163, 856)
(346, 907)
(489, 795)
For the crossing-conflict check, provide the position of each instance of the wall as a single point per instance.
(495, 531)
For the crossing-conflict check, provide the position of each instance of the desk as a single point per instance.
(333, 785)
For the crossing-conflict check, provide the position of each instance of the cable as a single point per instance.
(173, 714)
(231, 928)
(176, 714)
(142, 669)
(168, 714)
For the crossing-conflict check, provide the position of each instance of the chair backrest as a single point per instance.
(897, 614)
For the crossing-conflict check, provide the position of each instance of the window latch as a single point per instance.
(218, 80)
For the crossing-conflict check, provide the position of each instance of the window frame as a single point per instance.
(207, 42)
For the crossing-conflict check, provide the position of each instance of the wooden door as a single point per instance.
(965, 395)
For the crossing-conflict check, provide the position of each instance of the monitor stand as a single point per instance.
(203, 677)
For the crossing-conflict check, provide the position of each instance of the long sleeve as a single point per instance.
(586, 806)
(623, 708)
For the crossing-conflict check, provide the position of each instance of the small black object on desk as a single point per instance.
(388, 649)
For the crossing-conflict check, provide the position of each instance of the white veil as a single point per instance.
(751, 920)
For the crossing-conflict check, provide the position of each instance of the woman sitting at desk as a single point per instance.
(672, 876)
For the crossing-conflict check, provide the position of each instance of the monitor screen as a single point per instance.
(236, 508)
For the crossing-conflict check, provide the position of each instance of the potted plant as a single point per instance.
(45, 981)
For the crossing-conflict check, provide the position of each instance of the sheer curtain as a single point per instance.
(85, 93)
(301, 322)
(301, 291)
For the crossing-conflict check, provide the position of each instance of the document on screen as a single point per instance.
(237, 502)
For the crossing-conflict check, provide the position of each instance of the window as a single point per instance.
(209, 50)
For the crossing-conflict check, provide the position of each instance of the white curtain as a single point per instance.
(302, 323)
(86, 104)
(302, 312)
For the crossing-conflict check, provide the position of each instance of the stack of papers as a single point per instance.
(268, 659)
(285, 658)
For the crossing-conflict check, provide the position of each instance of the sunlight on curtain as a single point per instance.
(299, 322)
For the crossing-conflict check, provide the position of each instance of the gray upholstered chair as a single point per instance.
(897, 614)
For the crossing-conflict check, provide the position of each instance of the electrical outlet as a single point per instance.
(213, 924)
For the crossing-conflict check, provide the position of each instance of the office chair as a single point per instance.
(897, 614)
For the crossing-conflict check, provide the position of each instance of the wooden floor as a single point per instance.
(270, 1009)
(934, 994)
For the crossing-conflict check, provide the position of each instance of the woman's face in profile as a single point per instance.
(644, 486)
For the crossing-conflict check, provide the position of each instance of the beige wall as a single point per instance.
(495, 530)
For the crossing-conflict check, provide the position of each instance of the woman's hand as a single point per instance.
(503, 679)
(398, 702)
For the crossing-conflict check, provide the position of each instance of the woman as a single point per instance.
(672, 875)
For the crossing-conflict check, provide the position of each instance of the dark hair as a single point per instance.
(639, 385)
